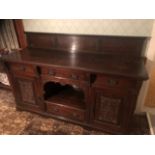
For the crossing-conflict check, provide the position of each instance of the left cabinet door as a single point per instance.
(28, 93)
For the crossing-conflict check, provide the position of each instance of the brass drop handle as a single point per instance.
(75, 115)
(55, 109)
(23, 68)
(32, 44)
(40, 98)
(112, 82)
(51, 72)
(100, 118)
(74, 76)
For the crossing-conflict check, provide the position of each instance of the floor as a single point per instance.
(13, 122)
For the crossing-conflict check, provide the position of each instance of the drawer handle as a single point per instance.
(51, 72)
(55, 109)
(112, 82)
(23, 68)
(100, 118)
(75, 77)
(40, 99)
(75, 115)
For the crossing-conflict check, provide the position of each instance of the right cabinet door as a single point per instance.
(110, 109)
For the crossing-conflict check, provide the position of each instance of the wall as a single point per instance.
(91, 26)
(102, 27)
(146, 100)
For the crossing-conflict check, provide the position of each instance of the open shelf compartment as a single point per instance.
(67, 95)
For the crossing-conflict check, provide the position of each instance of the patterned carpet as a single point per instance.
(14, 122)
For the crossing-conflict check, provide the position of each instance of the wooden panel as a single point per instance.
(77, 43)
(41, 41)
(27, 91)
(67, 112)
(87, 43)
(65, 73)
(20, 32)
(2, 68)
(113, 82)
(110, 106)
(123, 45)
(23, 69)
(107, 109)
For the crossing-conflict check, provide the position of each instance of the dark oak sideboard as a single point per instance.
(92, 81)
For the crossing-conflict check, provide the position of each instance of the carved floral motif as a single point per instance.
(26, 89)
(108, 109)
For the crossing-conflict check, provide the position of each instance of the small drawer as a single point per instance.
(63, 111)
(24, 69)
(112, 82)
(48, 71)
(66, 73)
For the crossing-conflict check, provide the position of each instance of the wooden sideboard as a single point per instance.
(89, 80)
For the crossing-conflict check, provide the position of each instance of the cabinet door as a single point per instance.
(109, 108)
(28, 93)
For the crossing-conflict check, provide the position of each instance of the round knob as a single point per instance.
(23, 68)
(51, 72)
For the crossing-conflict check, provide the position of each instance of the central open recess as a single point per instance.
(69, 95)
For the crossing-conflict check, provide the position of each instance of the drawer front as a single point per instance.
(113, 82)
(77, 115)
(23, 69)
(65, 73)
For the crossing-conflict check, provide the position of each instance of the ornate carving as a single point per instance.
(108, 109)
(26, 90)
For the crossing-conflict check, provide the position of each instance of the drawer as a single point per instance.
(63, 111)
(23, 69)
(113, 82)
(65, 73)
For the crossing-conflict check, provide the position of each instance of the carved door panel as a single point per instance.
(109, 107)
(28, 92)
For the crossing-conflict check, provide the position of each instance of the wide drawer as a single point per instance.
(64, 111)
(113, 82)
(23, 69)
(65, 73)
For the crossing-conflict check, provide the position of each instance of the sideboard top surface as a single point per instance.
(131, 67)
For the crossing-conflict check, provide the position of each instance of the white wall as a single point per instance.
(150, 65)
(140, 27)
